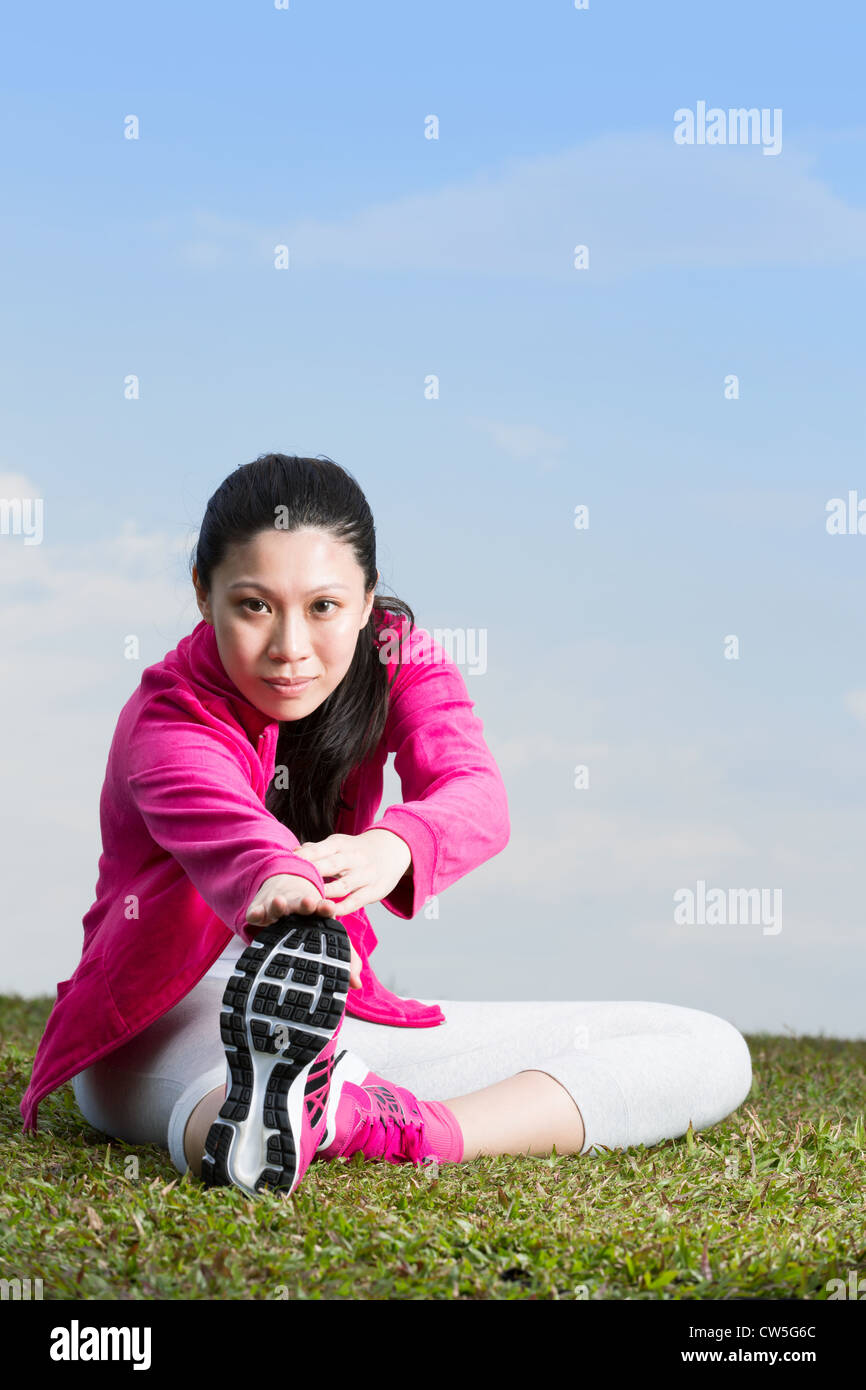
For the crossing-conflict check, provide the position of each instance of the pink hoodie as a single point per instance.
(187, 841)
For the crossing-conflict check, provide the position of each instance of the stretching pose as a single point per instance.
(225, 1005)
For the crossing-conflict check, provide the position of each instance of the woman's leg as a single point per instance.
(522, 1076)
(534, 1074)
(145, 1091)
(524, 1114)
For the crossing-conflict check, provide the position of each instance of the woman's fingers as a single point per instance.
(340, 888)
(354, 901)
(265, 913)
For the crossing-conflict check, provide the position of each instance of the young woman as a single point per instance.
(225, 1005)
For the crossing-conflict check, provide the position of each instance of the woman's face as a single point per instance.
(286, 604)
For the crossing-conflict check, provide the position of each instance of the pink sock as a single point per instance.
(443, 1131)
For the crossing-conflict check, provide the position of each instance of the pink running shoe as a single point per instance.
(280, 1036)
(386, 1122)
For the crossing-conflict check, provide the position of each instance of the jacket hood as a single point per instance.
(195, 662)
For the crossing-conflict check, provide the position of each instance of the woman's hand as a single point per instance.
(365, 867)
(283, 894)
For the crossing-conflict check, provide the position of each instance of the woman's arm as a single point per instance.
(191, 785)
(454, 813)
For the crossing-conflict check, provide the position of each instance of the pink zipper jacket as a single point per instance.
(187, 841)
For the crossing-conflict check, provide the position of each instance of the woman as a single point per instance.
(225, 1005)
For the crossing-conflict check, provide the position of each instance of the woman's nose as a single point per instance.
(290, 639)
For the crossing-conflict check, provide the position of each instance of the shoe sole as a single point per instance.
(281, 1007)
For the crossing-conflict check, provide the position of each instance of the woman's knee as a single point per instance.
(90, 1107)
(731, 1059)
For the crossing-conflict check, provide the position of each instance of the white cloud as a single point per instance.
(613, 853)
(638, 201)
(204, 255)
(855, 703)
(530, 750)
(64, 679)
(523, 442)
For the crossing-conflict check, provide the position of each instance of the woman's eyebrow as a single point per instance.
(255, 584)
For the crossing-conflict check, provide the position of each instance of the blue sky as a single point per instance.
(453, 257)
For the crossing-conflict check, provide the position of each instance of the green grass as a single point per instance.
(768, 1204)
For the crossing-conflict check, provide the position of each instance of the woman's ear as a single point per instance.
(201, 598)
(368, 607)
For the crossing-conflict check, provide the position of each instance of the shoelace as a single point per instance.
(403, 1131)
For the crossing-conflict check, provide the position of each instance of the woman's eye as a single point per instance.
(264, 605)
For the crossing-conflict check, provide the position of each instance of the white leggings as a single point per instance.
(638, 1072)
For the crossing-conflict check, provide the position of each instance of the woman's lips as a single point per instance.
(289, 690)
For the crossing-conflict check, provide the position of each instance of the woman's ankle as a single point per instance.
(198, 1125)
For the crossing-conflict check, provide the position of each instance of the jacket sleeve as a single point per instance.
(192, 784)
(454, 813)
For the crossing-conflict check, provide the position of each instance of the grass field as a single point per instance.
(768, 1204)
